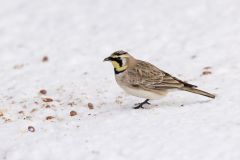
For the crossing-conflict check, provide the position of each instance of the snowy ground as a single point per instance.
(181, 37)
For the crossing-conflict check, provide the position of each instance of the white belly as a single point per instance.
(142, 93)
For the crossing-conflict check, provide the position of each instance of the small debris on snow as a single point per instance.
(43, 91)
(206, 72)
(31, 129)
(1, 114)
(73, 113)
(49, 117)
(47, 99)
(45, 59)
(90, 106)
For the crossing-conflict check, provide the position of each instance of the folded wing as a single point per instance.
(147, 76)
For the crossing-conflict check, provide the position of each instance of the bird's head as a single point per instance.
(119, 61)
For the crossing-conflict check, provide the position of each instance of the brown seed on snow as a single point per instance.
(47, 99)
(43, 91)
(49, 117)
(206, 72)
(73, 113)
(90, 106)
(1, 114)
(31, 129)
(45, 59)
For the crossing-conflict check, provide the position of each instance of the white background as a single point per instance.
(180, 37)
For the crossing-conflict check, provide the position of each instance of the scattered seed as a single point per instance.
(73, 113)
(31, 129)
(45, 59)
(47, 99)
(43, 91)
(49, 117)
(206, 72)
(90, 106)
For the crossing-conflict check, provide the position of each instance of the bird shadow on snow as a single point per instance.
(167, 103)
(180, 103)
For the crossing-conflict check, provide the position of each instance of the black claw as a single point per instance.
(137, 107)
(140, 105)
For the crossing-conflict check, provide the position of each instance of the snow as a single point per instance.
(180, 37)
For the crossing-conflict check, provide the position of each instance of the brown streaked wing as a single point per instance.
(147, 76)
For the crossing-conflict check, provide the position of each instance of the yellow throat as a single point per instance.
(117, 66)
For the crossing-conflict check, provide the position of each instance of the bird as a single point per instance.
(144, 80)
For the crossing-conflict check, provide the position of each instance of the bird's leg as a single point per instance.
(140, 105)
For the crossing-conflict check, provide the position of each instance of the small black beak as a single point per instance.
(107, 59)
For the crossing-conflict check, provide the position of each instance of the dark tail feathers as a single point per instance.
(197, 91)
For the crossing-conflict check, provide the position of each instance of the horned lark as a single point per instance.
(144, 80)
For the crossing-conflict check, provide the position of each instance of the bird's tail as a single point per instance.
(197, 91)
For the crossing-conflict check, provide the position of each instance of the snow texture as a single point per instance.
(180, 37)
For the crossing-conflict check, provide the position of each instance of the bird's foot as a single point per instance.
(140, 105)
